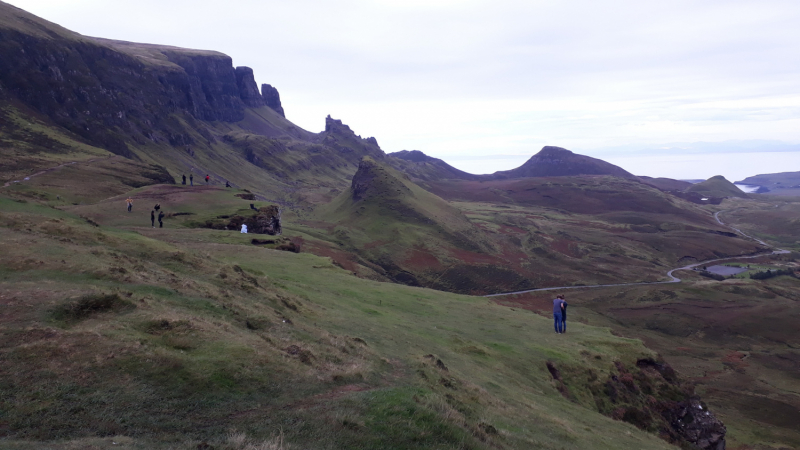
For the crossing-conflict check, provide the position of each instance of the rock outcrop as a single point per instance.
(272, 98)
(248, 89)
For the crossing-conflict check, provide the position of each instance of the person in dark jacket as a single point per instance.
(160, 217)
(184, 180)
(153, 218)
(558, 309)
(563, 315)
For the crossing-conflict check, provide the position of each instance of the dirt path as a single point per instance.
(673, 278)
(9, 183)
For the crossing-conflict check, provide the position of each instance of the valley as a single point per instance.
(387, 300)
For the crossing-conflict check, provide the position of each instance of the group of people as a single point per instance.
(560, 314)
(208, 180)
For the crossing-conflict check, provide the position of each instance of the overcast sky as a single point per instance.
(465, 80)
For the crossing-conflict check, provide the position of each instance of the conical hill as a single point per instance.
(717, 186)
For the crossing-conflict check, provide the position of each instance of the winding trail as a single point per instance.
(9, 183)
(673, 278)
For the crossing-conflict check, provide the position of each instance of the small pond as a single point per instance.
(726, 270)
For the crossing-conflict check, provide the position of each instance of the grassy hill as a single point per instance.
(784, 183)
(177, 337)
(716, 186)
(556, 161)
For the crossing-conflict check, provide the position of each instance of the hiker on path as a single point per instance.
(153, 219)
(558, 309)
(191, 179)
(129, 201)
(184, 179)
(207, 178)
(563, 315)
(160, 216)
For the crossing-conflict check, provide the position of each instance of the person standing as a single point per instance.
(160, 217)
(563, 314)
(191, 179)
(558, 308)
(129, 201)
(153, 218)
(184, 179)
(207, 178)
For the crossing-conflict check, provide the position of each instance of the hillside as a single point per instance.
(556, 161)
(351, 328)
(716, 186)
(175, 336)
(666, 184)
(426, 168)
(784, 183)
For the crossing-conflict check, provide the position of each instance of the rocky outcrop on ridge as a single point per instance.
(272, 98)
(248, 89)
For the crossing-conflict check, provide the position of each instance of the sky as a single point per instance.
(680, 89)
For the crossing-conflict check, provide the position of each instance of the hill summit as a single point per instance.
(717, 186)
(556, 161)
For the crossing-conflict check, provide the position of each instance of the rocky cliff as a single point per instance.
(272, 98)
(113, 93)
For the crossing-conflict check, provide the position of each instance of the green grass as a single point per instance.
(360, 372)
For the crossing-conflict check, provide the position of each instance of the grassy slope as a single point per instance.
(201, 343)
(734, 338)
(716, 186)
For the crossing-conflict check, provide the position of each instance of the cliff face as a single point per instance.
(248, 89)
(272, 98)
(110, 92)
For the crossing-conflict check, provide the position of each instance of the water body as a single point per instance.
(747, 188)
(725, 270)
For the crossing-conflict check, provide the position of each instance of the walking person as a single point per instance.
(184, 179)
(207, 178)
(153, 218)
(160, 217)
(129, 201)
(558, 308)
(191, 179)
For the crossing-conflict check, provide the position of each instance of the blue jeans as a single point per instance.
(558, 323)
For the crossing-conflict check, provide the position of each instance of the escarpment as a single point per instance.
(113, 94)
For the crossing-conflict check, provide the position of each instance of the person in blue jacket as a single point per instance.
(559, 306)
